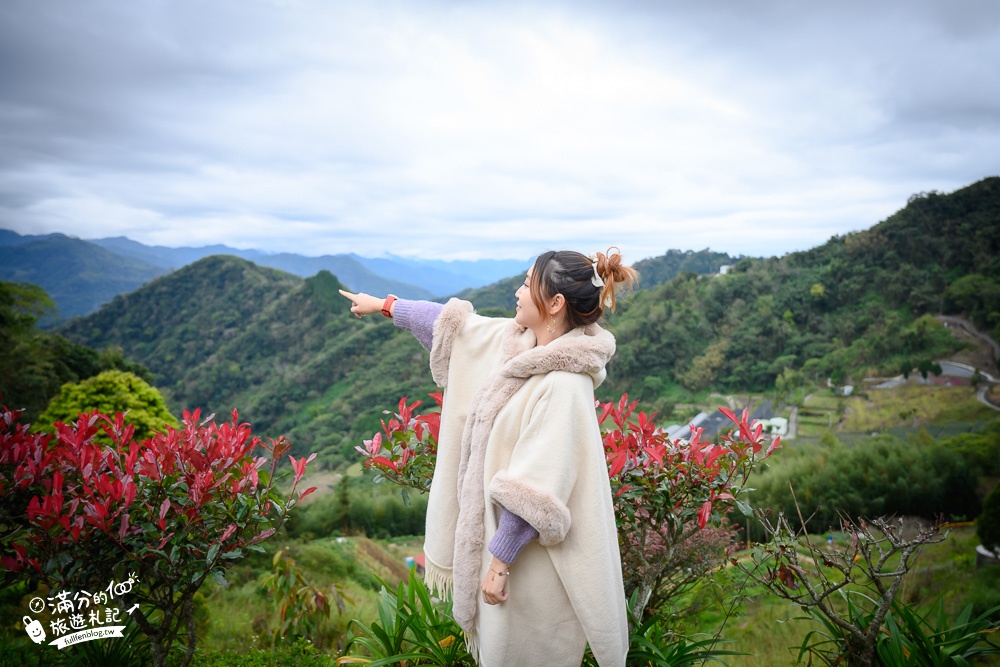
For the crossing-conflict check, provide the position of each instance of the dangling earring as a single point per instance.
(551, 326)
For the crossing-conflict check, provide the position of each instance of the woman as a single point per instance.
(520, 525)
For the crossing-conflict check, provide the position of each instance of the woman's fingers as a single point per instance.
(363, 304)
(353, 298)
(494, 590)
(495, 598)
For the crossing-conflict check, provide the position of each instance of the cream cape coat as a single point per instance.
(519, 430)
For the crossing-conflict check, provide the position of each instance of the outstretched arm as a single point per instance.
(417, 317)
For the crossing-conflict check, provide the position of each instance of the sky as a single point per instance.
(469, 130)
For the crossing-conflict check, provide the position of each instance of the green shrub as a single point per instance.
(932, 638)
(111, 392)
(653, 644)
(980, 447)
(410, 626)
(879, 476)
(357, 506)
(301, 653)
(988, 523)
(984, 593)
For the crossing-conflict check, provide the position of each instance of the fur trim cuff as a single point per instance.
(546, 513)
(448, 325)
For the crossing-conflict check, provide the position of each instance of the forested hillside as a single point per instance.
(859, 304)
(225, 333)
(658, 270)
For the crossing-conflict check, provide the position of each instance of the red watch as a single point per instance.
(389, 300)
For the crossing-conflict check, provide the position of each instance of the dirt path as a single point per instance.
(793, 423)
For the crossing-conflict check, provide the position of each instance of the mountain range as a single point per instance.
(224, 332)
(82, 275)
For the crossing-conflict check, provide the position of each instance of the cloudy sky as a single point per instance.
(489, 129)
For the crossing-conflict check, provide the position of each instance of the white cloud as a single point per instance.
(492, 130)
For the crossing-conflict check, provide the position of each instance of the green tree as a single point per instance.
(111, 392)
(787, 382)
(24, 370)
(21, 306)
(705, 368)
(988, 523)
(928, 366)
(977, 296)
(34, 364)
(884, 476)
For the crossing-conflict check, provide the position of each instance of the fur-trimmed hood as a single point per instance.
(583, 350)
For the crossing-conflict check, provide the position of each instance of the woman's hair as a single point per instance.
(587, 283)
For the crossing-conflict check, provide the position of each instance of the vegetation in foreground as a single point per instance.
(239, 624)
(282, 348)
(112, 525)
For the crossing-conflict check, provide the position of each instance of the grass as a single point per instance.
(913, 405)
(822, 399)
(819, 413)
(324, 480)
(942, 411)
(769, 630)
(243, 616)
(766, 630)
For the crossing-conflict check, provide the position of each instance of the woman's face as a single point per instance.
(527, 314)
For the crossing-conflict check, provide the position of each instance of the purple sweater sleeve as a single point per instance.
(418, 318)
(513, 534)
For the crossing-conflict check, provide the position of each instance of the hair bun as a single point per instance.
(611, 271)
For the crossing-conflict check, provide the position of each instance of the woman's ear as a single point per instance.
(557, 303)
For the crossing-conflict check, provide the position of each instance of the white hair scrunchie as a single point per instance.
(596, 280)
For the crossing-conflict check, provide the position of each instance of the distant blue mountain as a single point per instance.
(410, 278)
(486, 271)
(9, 238)
(81, 275)
(445, 278)
(347, 268)
(168, 258)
